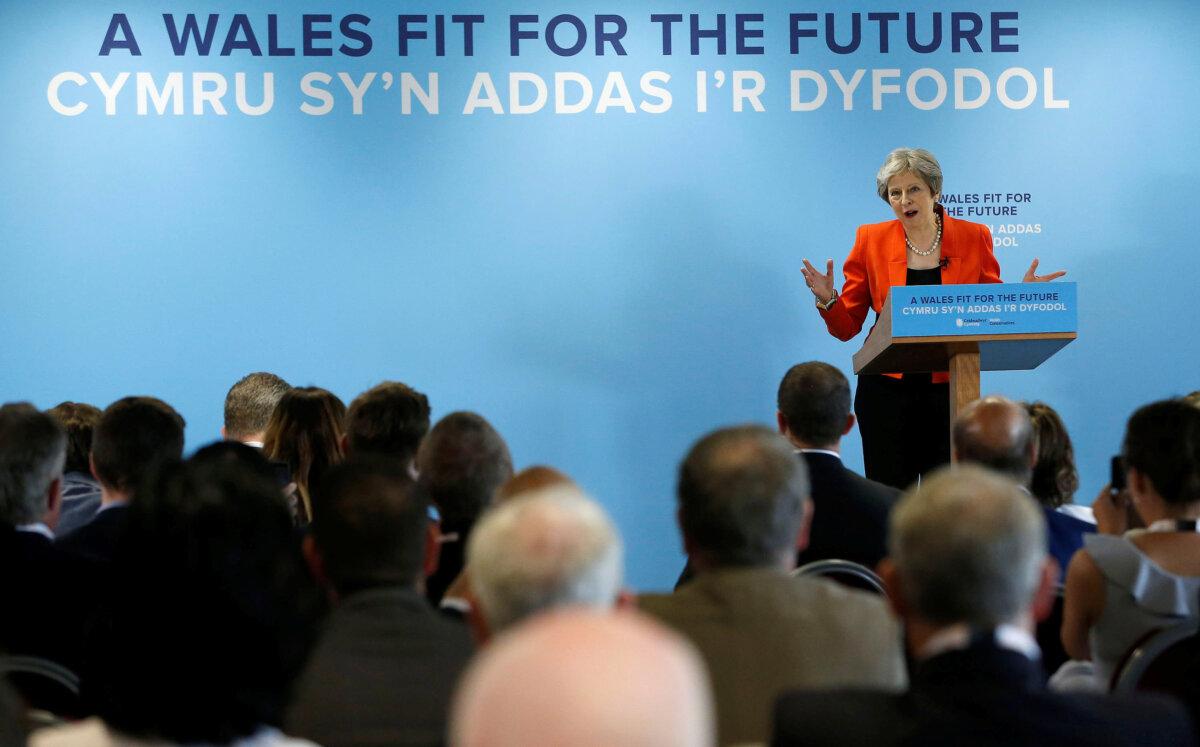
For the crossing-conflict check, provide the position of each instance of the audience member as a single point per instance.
(385, 667)
(248, 407)
(1125, 584)
(81, 492)
(209, 620)
(969, 573)
(1055, 478)
(133, 436)
(461, 463)
(850, 512)
(1193, 398)
(43, 587)
(457, 598)
(743, 512)
(305, 433)
(996, 432)
(389, 419)
(548, 548)
(581, 678)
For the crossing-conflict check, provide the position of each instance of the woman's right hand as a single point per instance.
(820, 284)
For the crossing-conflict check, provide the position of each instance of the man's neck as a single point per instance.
(112, 497)
(927, 639)
(835, 447)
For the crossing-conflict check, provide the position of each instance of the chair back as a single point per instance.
(846, 573)
(50, 689)
(1165, 661)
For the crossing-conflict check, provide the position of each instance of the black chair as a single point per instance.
(50, 689)
(846, 573)
(1163, 660)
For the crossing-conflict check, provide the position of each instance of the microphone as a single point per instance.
(943, 263)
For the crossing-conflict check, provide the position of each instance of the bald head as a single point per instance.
(585, 678)
(996, 432)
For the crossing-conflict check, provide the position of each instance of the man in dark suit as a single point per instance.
(386, 664)
(997, 433)
(743, 511)
(44, 589)
(850, 512)
(134, 435)
(969, 574)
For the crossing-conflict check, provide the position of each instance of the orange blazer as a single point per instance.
(879, 260)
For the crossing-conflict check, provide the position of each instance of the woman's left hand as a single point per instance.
(1031, 277)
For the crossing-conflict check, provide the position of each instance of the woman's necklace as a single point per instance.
(937, 239)
(1173, 525)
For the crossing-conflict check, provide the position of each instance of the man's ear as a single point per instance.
(223, 436)
(850, 421)
(895, 589)
(805, 525)
(92, 467)
(781, 423)
(314, 561)
(433, 548)
(626, 600)
(53, 503)
(1047, 589)
(476, 621)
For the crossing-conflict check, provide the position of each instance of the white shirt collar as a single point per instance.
(958, 637)
(36, 527)
(819, 451)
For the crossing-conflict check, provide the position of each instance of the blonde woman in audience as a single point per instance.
(305, 433)
(1123, 584)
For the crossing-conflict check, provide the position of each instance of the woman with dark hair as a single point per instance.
(905, 419)
(1123, 584)
(1055, 478)
(305, 433)
(209, 620)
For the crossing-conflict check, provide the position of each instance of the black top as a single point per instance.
(930, 276)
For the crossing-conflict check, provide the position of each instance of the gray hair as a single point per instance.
(917, 160)
(969, 546)
(33, 450)
(548, 548)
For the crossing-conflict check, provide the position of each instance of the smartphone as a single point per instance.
(1116, 479)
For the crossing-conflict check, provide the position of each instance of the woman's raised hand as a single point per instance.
(1032, 277)
(820, 285)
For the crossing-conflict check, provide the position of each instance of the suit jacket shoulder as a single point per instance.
(761, 631)
(382, 673)
(850, 513)
(984, 698)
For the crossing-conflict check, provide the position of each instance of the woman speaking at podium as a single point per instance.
(904, 419)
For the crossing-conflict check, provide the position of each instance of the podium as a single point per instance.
(965, 329)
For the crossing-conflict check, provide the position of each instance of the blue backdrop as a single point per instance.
(607, 286)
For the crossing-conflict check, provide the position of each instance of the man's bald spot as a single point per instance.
(996, 432)
(616, 678)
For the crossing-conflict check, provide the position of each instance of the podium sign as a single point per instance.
(965, 329)
(932, 310)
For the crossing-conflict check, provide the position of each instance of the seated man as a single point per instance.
(998, 433)
(743, 511)
(548, 548)
(969, 574)
(134, 435)
(578, 677)
(385, 666)
(850, 512)
(248, 407)
(46, 591)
